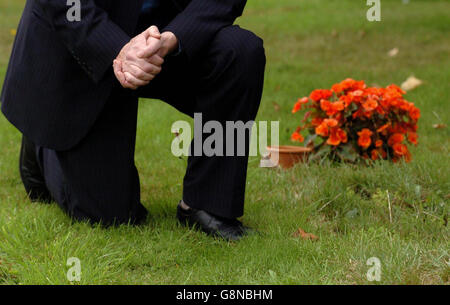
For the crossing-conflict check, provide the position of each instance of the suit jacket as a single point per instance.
(60, 72)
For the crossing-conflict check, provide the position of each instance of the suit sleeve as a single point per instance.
(94, 41)
(199, 22)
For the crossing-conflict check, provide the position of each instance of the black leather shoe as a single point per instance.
(31, 173)
(212, 225)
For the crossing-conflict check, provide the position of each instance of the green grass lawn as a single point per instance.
(309, 44)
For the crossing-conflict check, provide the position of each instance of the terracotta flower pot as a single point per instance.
(286, 156)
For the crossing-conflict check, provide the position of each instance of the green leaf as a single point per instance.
(321, 153)
(310, 139)
(347, 153)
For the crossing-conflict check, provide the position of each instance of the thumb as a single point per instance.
(153, 31)
(118, 72)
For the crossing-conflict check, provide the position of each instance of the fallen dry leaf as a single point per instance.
(361, 34)
(393, 52)
(304, 235)
(411, 83)
(276, 107)
(439, 126)
(334, 33)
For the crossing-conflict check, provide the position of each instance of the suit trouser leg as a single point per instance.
(232, 76)
(97, 180)
(223, 84)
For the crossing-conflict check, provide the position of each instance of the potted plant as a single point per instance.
(351, 121)
(286, 155)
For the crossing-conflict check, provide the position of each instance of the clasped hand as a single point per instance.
(140, 60)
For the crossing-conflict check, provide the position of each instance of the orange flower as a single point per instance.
(337, 88)
(398, 128)
(384, 102)
(366, 132)
(410, 127)
(342, 135)
(346, 100)
(393, 92)
(374, 91)
(389, 120)
(298, 105)
(358, 93)
(384, 127)
(364, 142)
(396, 138)
(357, 114)
(404, 105)
(322, 130)
(364, 138)
(375, 154)
(356, 96)
(339, 117)
(331, 108)
(380, 110)
(395, 88)
(414, 113)
(320, 94)
(413, 138)
(408, 156)
(378, 153)
(296, 136)
(337, 136)
(316, 121)
(359, 85)
(400, 149)
(348, 84)
(338, 106)
(370, 105)
(325, 105)
(330, 122)
(334, 139)
(304, 100)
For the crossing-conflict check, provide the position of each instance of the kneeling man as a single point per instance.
(72, 89)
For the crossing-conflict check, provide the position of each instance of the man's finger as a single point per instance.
(137, 72)
(152, 47)
(118, 73)
(156, 60)
(146, 66)
(134, 81)
(121, 76)
(151, 32)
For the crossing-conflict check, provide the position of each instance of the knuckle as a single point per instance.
(128, 56)
(141, 74)
(148, 69)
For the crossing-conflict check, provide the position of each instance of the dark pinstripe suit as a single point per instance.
(61, 93)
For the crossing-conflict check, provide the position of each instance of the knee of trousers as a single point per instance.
(244, 53)
(240, 64)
